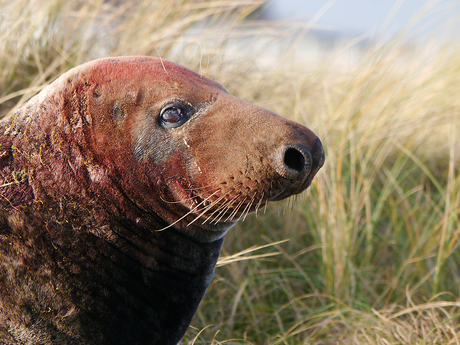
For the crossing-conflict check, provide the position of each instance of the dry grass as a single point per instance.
(372, 256)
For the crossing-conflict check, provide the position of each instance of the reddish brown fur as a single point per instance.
(111, 222)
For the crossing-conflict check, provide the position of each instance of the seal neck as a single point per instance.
(124, 284)
(160, 285)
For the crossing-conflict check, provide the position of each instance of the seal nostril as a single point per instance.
(294, 159)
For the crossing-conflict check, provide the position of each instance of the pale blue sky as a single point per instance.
(357, 17)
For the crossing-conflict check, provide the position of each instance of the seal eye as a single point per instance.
(173, 116)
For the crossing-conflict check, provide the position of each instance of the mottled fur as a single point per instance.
(111, 223)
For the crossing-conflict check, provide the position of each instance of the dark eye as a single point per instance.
(173, 116)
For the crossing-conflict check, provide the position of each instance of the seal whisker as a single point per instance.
(218, 209)
(221, 210)
(259, 203)
(191, 198)
(247, 208)
(265, 206)
(235, 211)
(296, 200)
(261, 200)
(227, 206)
(185, 215)
(206, 203)
(213, 204)
(207, 208)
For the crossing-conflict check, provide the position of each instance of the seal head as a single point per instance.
(118, 183)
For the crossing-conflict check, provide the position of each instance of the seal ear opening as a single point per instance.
(118, 114)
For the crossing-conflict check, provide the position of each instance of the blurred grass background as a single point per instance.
(372, 253)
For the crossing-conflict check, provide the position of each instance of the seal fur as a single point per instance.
(118, 183)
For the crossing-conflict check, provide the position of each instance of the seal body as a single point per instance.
(118, 183)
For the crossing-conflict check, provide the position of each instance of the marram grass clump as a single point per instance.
(370, 254)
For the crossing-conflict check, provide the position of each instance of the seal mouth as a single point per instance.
(216, 207)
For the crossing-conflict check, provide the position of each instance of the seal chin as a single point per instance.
(200, 231)
(221, 226)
